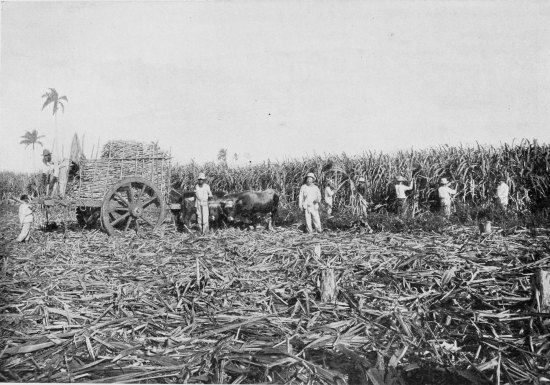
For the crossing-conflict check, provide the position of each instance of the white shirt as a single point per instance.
(400, 190)
(502, 193)
(25, 213)
(329, 193)
(309, 195)
(445, 193)
(202, 194)
(50, 168)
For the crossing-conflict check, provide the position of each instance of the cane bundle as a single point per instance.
(121, 159)
(124, 149)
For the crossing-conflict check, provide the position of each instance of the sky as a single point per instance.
(274, 79)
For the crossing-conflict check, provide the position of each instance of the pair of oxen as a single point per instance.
(245, 207)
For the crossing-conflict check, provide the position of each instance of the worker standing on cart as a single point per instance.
(50, 172)
(202, 194)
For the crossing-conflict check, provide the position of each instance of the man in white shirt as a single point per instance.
(502, 192)
(26, 219)
(309, 199)
(445, 193)
(202, 194)
(329, 195)
(400, 189)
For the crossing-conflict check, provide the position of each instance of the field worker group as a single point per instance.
(309, 198)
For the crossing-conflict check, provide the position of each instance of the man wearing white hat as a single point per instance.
(400, 189)
(309, 199)
(361, 193)
(202, 194)
(445, 193)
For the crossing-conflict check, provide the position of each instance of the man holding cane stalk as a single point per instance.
(445, 193)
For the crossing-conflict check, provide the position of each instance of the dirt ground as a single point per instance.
(242, 306)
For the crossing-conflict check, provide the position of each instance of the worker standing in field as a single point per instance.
(26, 219)
(361, 194)
(202, 194)
(329, 196)
(400, 189)
(309, 200)
(502, 192)
(445, 193)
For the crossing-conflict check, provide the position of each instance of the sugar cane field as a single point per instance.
(422, 300)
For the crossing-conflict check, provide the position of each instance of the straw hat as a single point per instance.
(444, 181)
(310, 175)
(401, 179)
(361, 179)
(46, 152)
(201, 176)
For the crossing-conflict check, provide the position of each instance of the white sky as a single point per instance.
(276, 78)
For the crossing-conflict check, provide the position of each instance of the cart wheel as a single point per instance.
(133, 203)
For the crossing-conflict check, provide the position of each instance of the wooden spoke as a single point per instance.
(142, 190)
(120, 219)
(121, 199)
(149, 202)
(137, 225)
(130, 193)
(128, 224)
(147, 220)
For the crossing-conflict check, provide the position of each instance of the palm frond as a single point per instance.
(48, 101)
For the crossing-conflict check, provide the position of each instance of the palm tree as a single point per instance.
(53, 98)
(31, 139)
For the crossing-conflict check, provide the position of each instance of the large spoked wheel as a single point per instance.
(133, 203)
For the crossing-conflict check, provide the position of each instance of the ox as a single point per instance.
(251, 205)
(188, 209)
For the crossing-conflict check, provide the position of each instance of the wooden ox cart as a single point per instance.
(127, 187)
